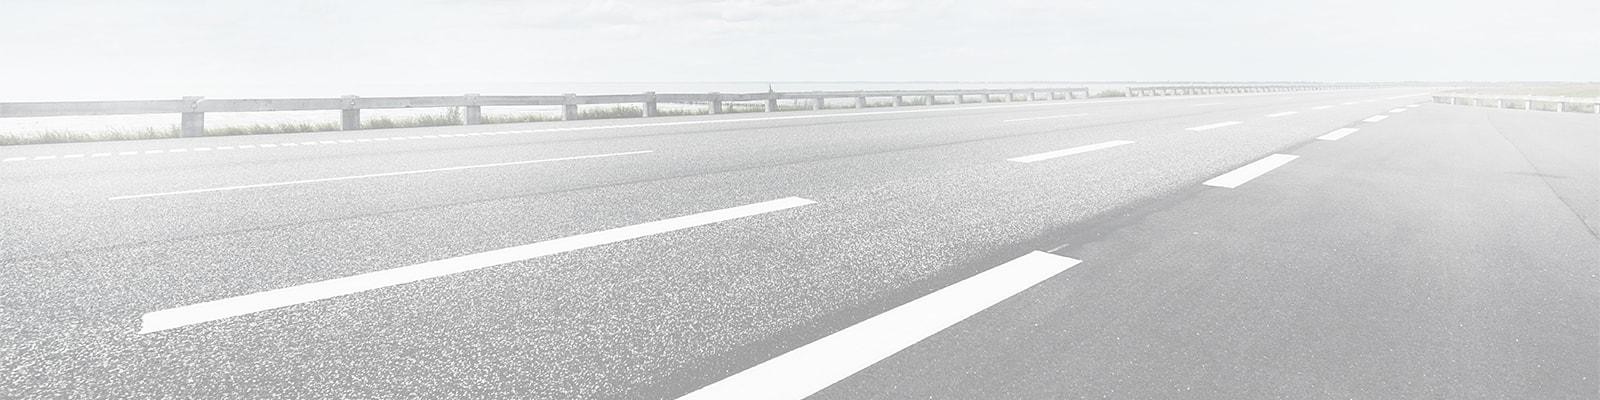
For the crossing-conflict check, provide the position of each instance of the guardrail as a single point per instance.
(1544, 103)
(193, 109)
(1146, 91)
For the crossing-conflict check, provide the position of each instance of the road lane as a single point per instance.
(892, 223)
(1420, 261)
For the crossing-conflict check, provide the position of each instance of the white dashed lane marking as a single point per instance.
(1337, 134)
(306, 293)
(1068, 152)
(343, 178)
(1250, 171)
(804, 371)
(1213, 126)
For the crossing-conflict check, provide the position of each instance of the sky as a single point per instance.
(65, 49)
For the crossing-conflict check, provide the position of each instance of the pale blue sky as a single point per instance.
(125, 47)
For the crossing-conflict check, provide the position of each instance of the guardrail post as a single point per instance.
(899, 101)
(771, 104)
(1561, 105)
(1030, 95)
(987, 97)
(350, 116)
(716, 103)
(1528, 105)
(569, 107)
(194, 122)
(472, 113)
(961, 98)
(818, 103)
(861, 100)
(927, 100)
(650, 105)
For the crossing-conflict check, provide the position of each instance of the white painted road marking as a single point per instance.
(804, 371)
(289, 296)
(1349, 103)
(1337, 134)
(1399, 110)
(1321, 107)
(1214, 126)
(1237, 177)
(341, 178)
(1376, 118)
(1414, 105)
(1285, 113)
(1049, 117)
(1205, 104)
(1068, 152)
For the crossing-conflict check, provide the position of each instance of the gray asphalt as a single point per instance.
(907, 203)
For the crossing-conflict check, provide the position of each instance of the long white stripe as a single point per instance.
(810, 368)
(1398, 110)
(1237, 177)
(1285, 113)
(1205, 104)
(1337, 134)
(1049, 117)
(1068, 152)
(1376, 118)
(1214, 126)
(341, 178)
(1321, 107)
(262, 301)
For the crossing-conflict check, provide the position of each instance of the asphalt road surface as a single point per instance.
(1285, 245)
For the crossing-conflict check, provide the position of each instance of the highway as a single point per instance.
(1337, 244)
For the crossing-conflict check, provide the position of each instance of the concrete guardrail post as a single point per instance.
(927, 100)
(193, 122)
(650, 105)
(1031, 95)
(472, 113)
(716, 103)
(987, 97)
(1527, 104)
(349, 116)
(819, 103)
(961, 98)
(1561, 105)
(898, 101)
(569, 107)
(771, 104)
(861, 100)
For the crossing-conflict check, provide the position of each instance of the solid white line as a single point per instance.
(1337, 134)
(293, 295)
(804, 371)
(341, 178)
(10, 159)
(1214, 126)
(1049, 117)
(1068, 152)
(1376, 118)
(1399, 110)
(1285, 113)
(1321, 107)
(1205, 104)
(1349, 103)
(1237, 177)
(1414, 105)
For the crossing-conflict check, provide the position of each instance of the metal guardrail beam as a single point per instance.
(1553, 103)
(193, 109)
